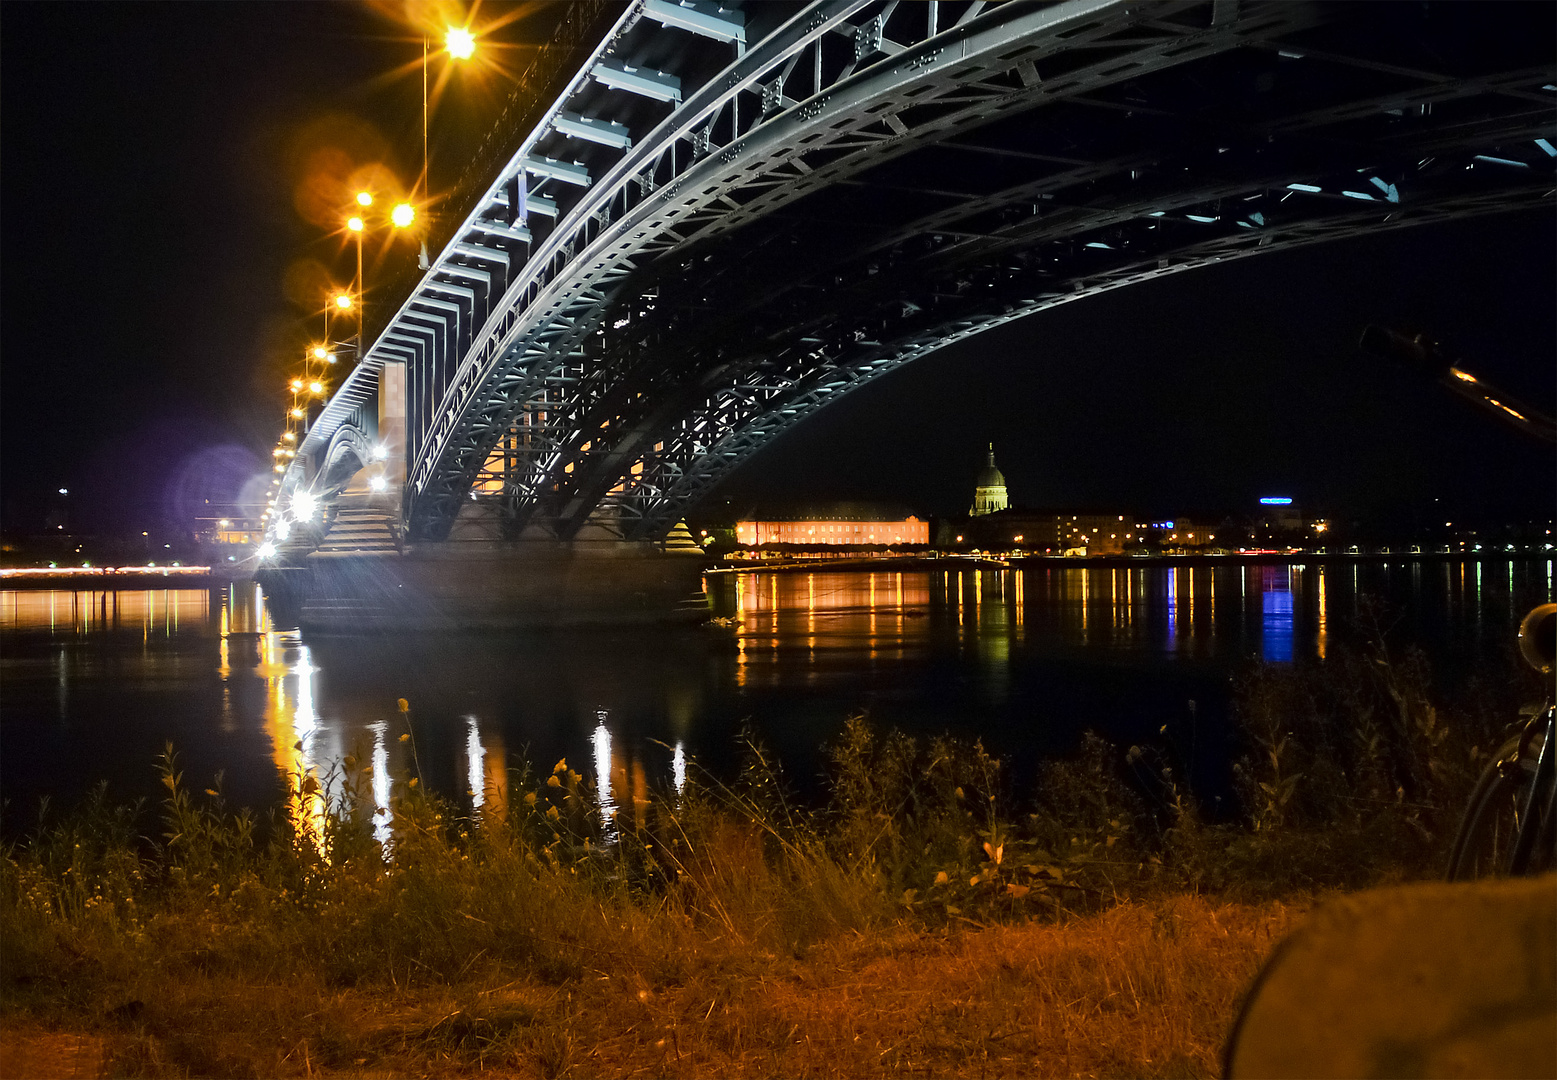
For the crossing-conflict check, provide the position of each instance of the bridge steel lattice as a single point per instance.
(731, 216)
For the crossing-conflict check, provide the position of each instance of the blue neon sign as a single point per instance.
(1275, 500)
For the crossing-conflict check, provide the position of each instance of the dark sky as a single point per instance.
(152, 160)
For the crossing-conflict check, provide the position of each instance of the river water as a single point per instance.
(93, 684)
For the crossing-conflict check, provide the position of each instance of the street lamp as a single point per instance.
(460, 42)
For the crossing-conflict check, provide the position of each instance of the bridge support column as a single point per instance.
(391, 422)
(502, 585)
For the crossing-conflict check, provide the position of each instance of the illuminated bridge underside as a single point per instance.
(731, 218)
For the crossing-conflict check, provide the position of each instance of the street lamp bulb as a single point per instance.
(316, 388)
(460, 42)
(329, 358)
(297, 384)
(266, 550)
(403, 215)
(354, 224)
(303, 505)
(344, 301)
(320, 353)
(364, 198)
(297, 413)
(288, 436)
(378, 483)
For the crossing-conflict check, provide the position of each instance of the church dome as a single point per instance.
(990, 495)
(989, 475)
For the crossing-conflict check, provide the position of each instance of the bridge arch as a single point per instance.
(731, 217)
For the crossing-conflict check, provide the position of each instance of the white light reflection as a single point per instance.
(602, 747)
(383, 830)
(475, 760)
(306, 720)
(678, 767)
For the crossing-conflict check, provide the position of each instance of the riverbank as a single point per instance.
(1144, 989)
(917, 922)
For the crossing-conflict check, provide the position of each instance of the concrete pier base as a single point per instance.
(499, 585)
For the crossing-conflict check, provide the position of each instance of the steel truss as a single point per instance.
(730, 217)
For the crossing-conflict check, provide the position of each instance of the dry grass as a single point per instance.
(914, 924)
(1143, 989)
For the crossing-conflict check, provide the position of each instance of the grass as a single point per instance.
(916, 923)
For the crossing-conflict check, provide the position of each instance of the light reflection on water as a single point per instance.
(95, 681)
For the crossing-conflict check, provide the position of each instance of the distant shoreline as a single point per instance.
(80, 579)
(1022, 562)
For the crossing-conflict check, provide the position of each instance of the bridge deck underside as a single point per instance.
(876, 184)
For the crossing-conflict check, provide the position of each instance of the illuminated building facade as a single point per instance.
(846, 525)
(989, 495)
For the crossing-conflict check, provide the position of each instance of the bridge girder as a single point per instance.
(864, 182)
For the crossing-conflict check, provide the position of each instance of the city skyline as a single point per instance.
(159, 206)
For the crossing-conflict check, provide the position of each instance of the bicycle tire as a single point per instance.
(1507, 828)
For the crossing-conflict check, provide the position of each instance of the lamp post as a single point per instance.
(401, 217)
(460, 43)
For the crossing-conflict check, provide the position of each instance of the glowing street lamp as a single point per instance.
(316, 387)
(460, 43)
(403, 215)
(364, 198)
(345, 302)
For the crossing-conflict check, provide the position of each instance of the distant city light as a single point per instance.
(1275, 500)
(64, 491)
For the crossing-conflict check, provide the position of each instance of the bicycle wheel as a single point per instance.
(1508, 827)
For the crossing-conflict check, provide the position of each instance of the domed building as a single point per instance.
(990, 493)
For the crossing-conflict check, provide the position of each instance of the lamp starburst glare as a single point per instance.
(460, 42)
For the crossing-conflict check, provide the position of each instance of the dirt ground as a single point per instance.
(1141, 990)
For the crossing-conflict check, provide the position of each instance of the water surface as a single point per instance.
(93, 684)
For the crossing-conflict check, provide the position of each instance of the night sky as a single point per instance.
(160, 268)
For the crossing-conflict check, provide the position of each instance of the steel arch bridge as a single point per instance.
(731, 216)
